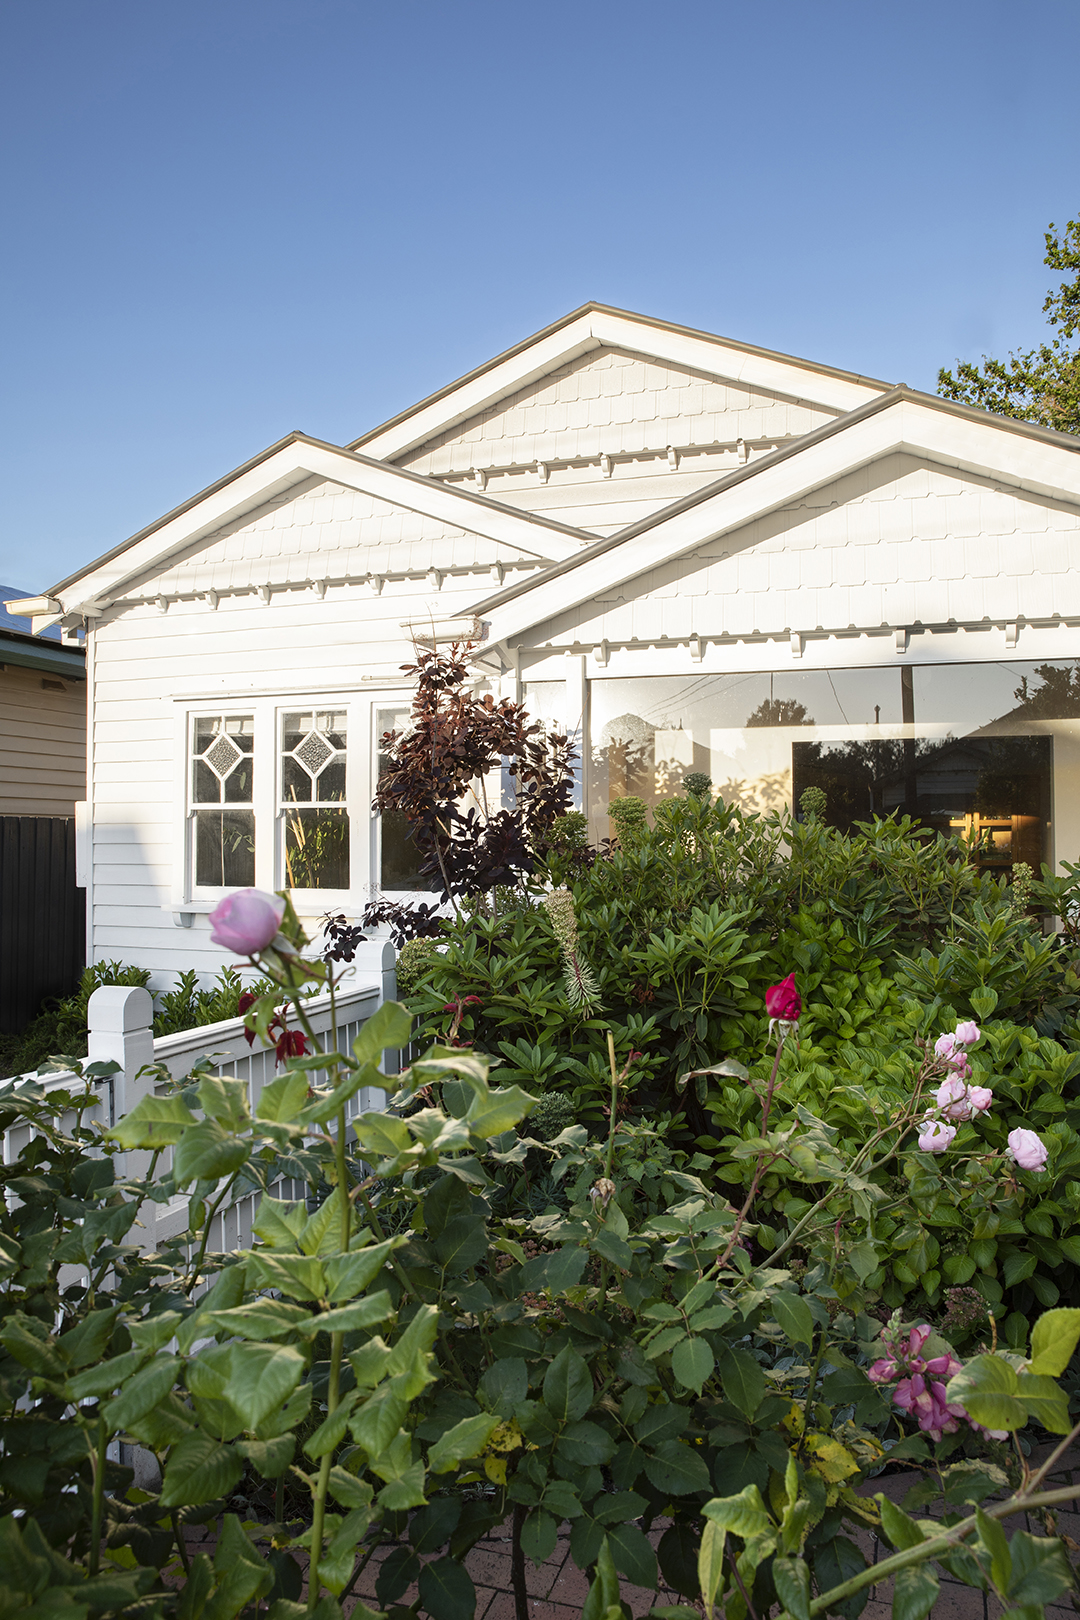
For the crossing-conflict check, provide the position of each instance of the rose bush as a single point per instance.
(611, 1361)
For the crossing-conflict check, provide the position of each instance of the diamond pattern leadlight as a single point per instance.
(314, 752)
(223, 756)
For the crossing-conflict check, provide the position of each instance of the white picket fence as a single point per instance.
(120, 1023)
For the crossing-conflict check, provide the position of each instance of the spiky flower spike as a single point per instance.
(560, 909)
(582, 990)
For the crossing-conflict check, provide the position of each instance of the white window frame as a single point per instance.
(203, 896)
(189, 899)
(311, 902)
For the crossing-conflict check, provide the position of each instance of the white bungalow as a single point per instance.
(710, 556)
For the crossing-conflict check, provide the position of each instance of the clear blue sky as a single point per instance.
(226, 220)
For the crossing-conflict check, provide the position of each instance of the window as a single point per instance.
(312, 799)
(222, 784)
(989, 751)
(399, 860)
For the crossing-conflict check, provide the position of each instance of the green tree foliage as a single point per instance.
(1041, 384)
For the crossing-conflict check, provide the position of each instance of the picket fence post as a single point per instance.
(120, 1019)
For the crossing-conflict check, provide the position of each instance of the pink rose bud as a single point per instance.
(783, 1001)
(945, 1046)
(959, 1064)
(952, 1098)
(1027, 1150)
(980, 1098)
(246, 921)
(967, 1033)
(935, 1136)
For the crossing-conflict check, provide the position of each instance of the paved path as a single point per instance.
(557, 1589)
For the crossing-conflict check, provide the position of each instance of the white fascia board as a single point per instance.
(477, 393)
(956, 442)
(599, 328)
(291, 465)
(776, 373)
(993, 448)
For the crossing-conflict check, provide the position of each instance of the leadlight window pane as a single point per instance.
(399, 858)
(314, 753)
(222, 773)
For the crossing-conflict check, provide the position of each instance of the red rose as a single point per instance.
(783, 1001)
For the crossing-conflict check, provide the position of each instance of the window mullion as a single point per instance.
(267, 875)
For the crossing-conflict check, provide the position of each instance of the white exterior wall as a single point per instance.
(150, 667)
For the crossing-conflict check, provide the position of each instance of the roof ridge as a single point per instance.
(626, 314)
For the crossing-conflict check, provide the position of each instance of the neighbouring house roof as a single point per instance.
(8, 621)
(26, 651)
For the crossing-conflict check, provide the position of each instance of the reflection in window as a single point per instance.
(399, 858)
(967, 748)
(992, 791)
(222, 777)
(313, 759)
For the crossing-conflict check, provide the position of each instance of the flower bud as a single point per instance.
(246, 921)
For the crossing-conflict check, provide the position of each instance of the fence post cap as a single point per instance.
(119, 1009)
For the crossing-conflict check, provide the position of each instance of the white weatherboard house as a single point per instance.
(709, 556)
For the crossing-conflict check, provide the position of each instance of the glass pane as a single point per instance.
(204, 734)
(295, 781)
(966, 748)
(225, 849)
(238, 784)
(331, 784)
(399, 866)
(317, 849)
(207, 788)
(399, 859)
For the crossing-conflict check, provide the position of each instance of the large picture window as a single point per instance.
(222, 793)
(312, 799)
(987, 751)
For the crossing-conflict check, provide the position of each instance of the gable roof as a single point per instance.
(600, 325)
(1035, 459)
(277, 469)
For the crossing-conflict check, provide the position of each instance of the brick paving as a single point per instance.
(558, 1588)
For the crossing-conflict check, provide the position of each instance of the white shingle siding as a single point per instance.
(859, 553)
(614, 403)
(329, 533)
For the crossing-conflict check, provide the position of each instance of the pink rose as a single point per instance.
(945, 1046)
(1027, 1151)
(935, 1136)
(967, 1033)
(980, 1098)
(959, 1065)
(246, 921)
(783, 1001)
(952, 1098)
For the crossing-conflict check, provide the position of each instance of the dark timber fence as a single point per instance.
(42, 915)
